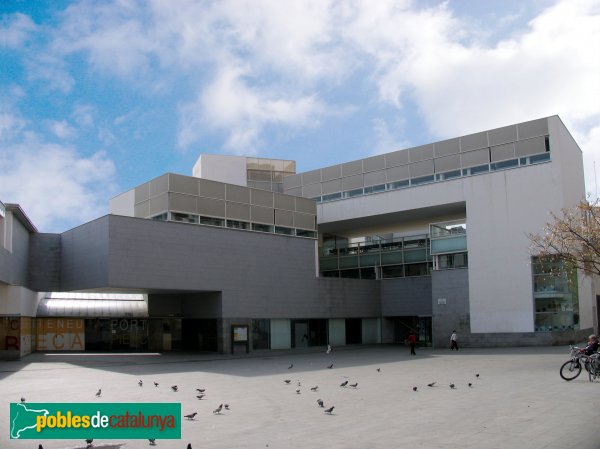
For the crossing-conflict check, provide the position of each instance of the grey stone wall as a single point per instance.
(84, 256)
(5, 265)
(451, 287)
(17, 260)
(406, 296)
(259, 275)
(44, 262)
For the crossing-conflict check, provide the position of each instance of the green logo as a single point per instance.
(95, 420)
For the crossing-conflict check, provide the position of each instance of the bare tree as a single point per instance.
(573, 237)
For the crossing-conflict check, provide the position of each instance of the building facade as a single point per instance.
(247, 254)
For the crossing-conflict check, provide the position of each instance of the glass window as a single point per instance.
(417, 269)
(505, 164)
(160, 217)
(237, 224)
(375, 189)
(184, 218)
(539, 158)
(332, 197)
(351, 274)
(212, 221)
(398, 184)
(330, 274)
(393, 271)
(283, 230)
(303, 233)
(421, 180)
(555, 292)
(261, 334)
(352, 193)
(262, 227)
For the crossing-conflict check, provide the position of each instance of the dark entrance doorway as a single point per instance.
(199, 335)
(353, 331)
(307, 333)
(421, 325)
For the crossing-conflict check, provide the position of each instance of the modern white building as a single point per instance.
(248, 254)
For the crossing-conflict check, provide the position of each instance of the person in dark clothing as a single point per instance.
(412, 341)
(592, 345)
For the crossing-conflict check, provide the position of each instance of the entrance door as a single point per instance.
(301, 336)
(199, 335)
(353, 331)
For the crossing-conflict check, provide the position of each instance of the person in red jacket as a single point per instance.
(412, 341)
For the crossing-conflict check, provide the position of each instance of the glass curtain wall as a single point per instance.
(555, 292)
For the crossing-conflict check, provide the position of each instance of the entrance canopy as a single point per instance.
(93, 305)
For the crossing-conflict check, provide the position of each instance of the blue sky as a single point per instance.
(98, 97)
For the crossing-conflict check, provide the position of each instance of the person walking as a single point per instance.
(453, 341)
(412, 341)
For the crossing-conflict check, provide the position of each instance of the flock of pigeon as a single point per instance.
(201, 393)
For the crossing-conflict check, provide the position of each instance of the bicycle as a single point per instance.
(571, 369)
(592, 366)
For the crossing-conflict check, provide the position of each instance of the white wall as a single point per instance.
(216, 167)
(17, 300)
(503, 207)
(123, 204)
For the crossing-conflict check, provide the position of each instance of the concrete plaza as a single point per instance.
(518, 401)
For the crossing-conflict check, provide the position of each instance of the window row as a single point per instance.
(233, 224)
(437, 177)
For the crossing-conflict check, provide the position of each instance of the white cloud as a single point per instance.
(11, 125)
(83, 114)
(589, 138)
(54, 184)
(386, 139)
(229, 105)
(61, 129)
(15, 30)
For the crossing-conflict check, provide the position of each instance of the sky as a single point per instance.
(97, 97)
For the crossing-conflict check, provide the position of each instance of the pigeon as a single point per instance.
(226, 407)
(378, 370)
(414, 388)
(477, 375)
(470, 384)
(99, 392)
(89, 442)
(200, 390)
(218, 409)
(297, 390)
(174, 387)
(22, 399)
(40, 446)
(320, 402)
(291, 366)
(200, 396)
(330, 366)
(431, 384)
(315, 388)
(328, 349)
(152, 441)
(156, 384)
(329, 410)
(140, 383)
(287, 381)
(299, 384)
(354, 385)
(452, 385)
(344, 383)
(189, 446)
(190, 416)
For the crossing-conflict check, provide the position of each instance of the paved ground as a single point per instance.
(519, 400)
